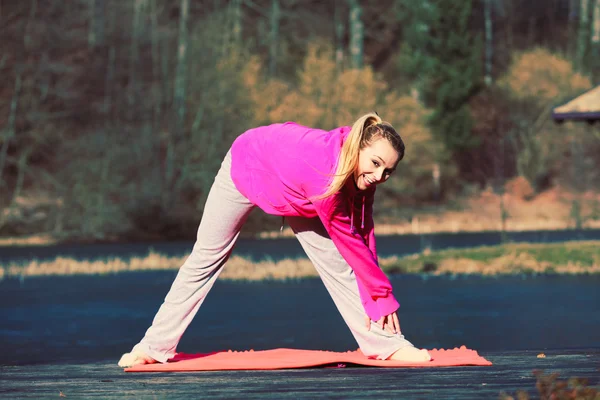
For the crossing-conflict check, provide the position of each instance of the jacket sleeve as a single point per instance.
(374, 286)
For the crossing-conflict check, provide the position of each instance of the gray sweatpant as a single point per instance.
(225, 212)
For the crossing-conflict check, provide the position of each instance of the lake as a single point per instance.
(81, 319)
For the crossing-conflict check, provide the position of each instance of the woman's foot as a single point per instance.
(135, 358)
(410, 354)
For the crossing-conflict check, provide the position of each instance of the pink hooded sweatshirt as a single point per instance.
(284, 168)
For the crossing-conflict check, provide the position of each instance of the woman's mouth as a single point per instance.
(368, 181)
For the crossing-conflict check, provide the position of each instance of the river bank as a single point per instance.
(507, 259)
(517, 209)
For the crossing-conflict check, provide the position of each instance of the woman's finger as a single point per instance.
(397, 323)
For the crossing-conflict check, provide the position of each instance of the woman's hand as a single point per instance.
(389, 323)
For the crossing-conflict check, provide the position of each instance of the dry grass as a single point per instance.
(567, 258)
(36, 240)
(237, 268)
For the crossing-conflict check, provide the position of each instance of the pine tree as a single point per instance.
(443, 56)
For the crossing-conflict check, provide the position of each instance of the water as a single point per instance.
(96, 318)
(278, 249)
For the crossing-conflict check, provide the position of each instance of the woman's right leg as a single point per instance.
(225, 212)
(340, 281)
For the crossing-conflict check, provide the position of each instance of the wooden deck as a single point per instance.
(511, 371)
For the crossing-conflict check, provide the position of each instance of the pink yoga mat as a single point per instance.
(294, 358)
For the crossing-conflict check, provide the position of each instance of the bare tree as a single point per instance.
(356, 34)
(275, 17)
(595, 45)
(10, 131)
(237, 20)
(489, 51)
(132, 93)
(583, 33)
(340, 28)
(596, 25)
(179, 92)
(96, 35)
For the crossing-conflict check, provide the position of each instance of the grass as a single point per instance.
(237, 268)
(562, 258)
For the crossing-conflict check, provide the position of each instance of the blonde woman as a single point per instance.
(323, 183)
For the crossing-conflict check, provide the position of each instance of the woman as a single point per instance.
(323, 183)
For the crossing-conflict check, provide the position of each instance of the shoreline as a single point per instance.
(485, 211)
(567, 258)
(382, 229)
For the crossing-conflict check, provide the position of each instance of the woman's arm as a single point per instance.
(373, 284)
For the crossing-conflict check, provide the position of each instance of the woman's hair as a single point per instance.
(365, 131)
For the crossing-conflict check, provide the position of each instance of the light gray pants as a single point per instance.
(225, 212)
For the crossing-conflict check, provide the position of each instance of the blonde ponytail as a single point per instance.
(348, 160)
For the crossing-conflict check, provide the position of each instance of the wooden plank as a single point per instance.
(511, 371)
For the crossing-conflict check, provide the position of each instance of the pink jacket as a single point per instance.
(283, 168)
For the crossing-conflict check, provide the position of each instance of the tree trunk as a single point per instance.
(275, 17)
(509, 26)
(134, 60)
(596, 26)
(583, 34)
(181, 71)
(237, 21)
(10, 129)
(339, 34)
(356, 34)
(156, 70)
(572, 29)
(231, 31)
(595, 44)
(179, 92)
(488, 42)
(96, 28)
(27, 41)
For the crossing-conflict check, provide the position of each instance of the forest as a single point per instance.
(115, 114)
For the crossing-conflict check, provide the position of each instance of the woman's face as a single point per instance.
(376, 162)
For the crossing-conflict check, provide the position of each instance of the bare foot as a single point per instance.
(410, 354)
(135, 358)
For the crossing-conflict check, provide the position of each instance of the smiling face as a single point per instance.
(376, 162)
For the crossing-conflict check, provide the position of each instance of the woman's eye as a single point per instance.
(375, 163)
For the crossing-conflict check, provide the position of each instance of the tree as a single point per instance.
(489, 43)
(356, 34)
(534, 81)
(443, 55)
(179, 94)
(275, 17)
(595, 45)
(583, 34)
